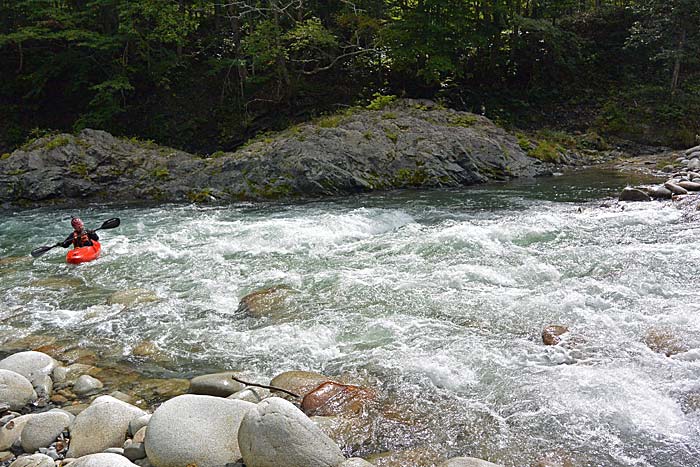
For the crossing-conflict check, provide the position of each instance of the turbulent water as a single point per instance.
(437, 299)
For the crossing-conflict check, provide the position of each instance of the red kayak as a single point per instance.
(84, 254)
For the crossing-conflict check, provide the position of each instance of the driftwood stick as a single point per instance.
(273, 388)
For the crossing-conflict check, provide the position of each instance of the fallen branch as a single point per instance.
(272, 388)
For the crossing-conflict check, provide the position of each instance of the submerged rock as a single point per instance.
(468, 462)
(132, 296)
(664, 341)
(267, 302)
(331, 398)
(297, 381)
(551, 334)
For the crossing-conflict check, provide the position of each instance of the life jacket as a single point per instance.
(81, 239)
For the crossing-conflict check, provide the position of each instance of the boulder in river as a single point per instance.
(664, 341)
(633, 194)
(15, 390)
(675, 188)
(331, 398)
(216, 384)
(267, 302)
(551, 334)
(195, 430)
(297, 381)
(275, 433)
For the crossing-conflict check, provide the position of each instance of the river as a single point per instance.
(435, 298)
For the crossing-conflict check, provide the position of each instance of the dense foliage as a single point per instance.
(208, 74)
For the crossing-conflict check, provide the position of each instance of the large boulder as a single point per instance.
(633, 194)
(32, 365)
(195, 430)
(15, 390)
(12, 431)
(102, 425)
(405, 144)
(276, 433)
(103, 460)
(216, 384)
(331, 398)
(43, 429)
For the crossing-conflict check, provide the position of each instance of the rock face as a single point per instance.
(195, 430)
(15, 390)
(402, 145)
(102, 425)
(276, 433)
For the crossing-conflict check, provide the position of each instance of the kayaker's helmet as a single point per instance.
(76, 223)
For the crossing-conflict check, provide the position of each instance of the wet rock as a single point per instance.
(355, 462)
(102, 460)
(267, 302)
(554, 459)
(664, 341)
(297, 381)
(675, 188)
(30, 342)
(349, 433)
(250, 394)
(660, 192)
(467, 462)
(633, 194)
(12, 430)
(551, 334)
(690, 402)
(32, 365)
(131, 297)
(35, 460)
(417, 457)
(195, 430)
(690, 186)
(43, 429)
(216, 384)
(156, 390)
(58, 282)
(150, 350)
(102, 425)
(276, 433)
(15, 390)
(331, 398)
(86, 384)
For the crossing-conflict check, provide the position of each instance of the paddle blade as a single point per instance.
(40, 251)
(110, 223)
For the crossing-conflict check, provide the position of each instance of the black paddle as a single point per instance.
(108, 224)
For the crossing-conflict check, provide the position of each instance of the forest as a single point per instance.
(207, 75)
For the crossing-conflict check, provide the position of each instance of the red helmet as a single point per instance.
(76, 223)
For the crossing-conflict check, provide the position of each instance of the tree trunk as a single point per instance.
(677, 63)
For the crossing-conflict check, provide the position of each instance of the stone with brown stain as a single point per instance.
(267, 302)
(664, 341)
(331, 398)
(551, 334)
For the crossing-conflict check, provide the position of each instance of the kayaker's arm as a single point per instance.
(92, 235)
(68, 241)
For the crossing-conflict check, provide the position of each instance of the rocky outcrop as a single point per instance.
(406, 144)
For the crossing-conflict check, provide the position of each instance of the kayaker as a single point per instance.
(79, 237)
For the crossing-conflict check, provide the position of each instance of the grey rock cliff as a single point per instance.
(407, 144)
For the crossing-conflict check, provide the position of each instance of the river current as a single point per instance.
(435, 298)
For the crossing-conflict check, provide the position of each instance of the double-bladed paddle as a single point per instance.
(108, 224)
